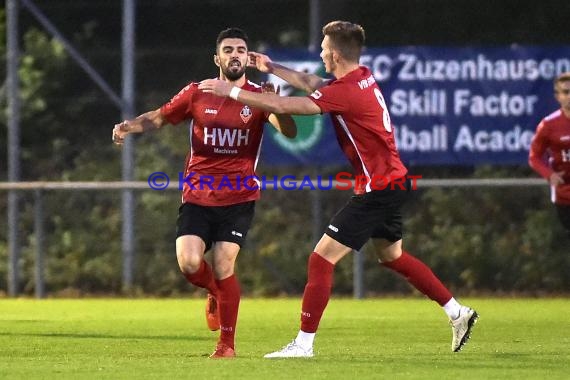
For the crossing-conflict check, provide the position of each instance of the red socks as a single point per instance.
(320, 278)
(228, 303)
(228, 294)
(421, 277)
(203, 278)
(317, 292)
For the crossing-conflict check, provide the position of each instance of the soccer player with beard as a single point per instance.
(552, 141)
(365, 134)
(219, 190)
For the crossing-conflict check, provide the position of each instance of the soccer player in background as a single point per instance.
(364, 131)
(549, 152)
(219, 191)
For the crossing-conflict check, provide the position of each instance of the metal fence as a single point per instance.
(40, 189)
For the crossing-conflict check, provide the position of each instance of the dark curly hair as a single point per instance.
(231, 33)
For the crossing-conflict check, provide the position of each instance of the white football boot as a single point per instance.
(292, 350)
(461, 327)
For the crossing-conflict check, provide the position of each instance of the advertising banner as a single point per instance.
(448, 105)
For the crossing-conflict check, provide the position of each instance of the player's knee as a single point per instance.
(189, 262)
(388, 255)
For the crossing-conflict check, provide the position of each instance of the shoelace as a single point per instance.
(291, 346)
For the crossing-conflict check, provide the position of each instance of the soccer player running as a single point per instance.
(365, 134)
(220, 190)
(552, 141)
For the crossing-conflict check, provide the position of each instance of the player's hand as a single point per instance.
(556, 178)
(269, 88)
(260, 61)
(216, 87)
(120, 132)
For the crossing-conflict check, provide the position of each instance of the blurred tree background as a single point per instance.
(492, 240)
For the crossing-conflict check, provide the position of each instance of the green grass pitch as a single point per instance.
(358, 339)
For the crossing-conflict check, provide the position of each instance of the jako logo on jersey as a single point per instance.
(235, 233)
(211, 111)
(226, 137)
(565, 138)
(333, 228)
(245, 114)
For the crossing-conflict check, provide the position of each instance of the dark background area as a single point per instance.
(492, 240)
(176, 38)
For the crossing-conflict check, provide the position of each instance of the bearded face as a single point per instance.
(232, 58)
(233, 70)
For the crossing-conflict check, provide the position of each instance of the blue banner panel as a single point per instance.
(448, 105)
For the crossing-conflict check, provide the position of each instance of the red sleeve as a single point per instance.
(250, 86)
(538, 148)
(180, 106)
(331, 98)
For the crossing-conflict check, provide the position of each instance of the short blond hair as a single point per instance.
(346, 37)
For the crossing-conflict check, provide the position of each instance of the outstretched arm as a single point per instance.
(143, 123)
(294, 105)
(300, 80)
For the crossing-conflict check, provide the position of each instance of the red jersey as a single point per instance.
(552, 140)
(362, 125)
(225, 142)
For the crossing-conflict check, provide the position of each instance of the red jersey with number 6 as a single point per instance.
(363, 128)
(550, 152)
(225, 142)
